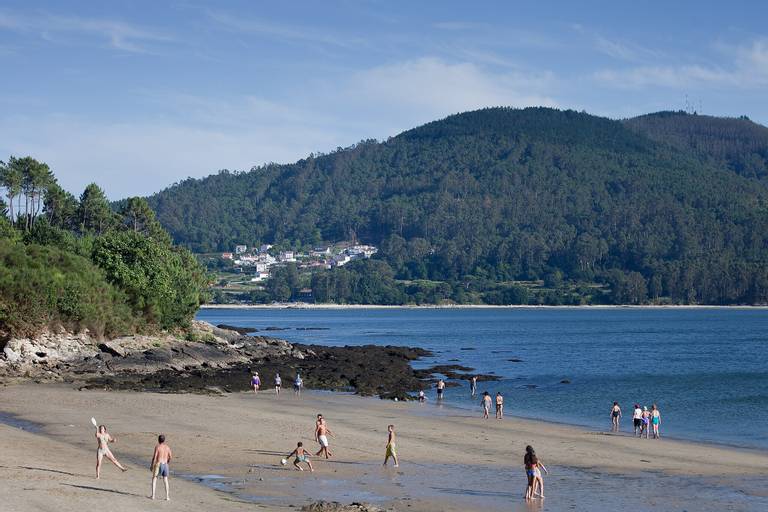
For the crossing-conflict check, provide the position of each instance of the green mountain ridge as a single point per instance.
(650, 206)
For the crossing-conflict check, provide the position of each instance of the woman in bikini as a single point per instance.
(533, 467)
(103, 439)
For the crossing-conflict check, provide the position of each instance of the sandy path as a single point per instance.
(242, 436)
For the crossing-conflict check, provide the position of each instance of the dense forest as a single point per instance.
(77, 264)
(666, 208)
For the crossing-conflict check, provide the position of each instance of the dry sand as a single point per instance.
(241, 437)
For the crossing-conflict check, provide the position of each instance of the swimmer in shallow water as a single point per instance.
(615, 417)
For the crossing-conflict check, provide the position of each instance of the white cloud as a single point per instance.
(747, 68)
(284, 32)
(116, 34)
(424, 89)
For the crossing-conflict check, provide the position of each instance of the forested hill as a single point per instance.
(736, 143)
(501, 195)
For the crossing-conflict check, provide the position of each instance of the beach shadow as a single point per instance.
(101, 489)
(266, 452)
(48, 470)
(474, 492)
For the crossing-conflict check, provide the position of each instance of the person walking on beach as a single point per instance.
(615, 416)
(391, 449)
(321, 436)
(646, 422)
(473, 385)
(278, 383)
(655, 421)
(533, 467)
(301, 456)
(297, 385)
(160, 460)
(486, 403)
(103, 439)
(637, 420)
(440, 388)
(499, 406)
(255, 382)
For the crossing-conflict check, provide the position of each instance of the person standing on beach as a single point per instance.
(473, 385)
(499, 406)
(103, 439)
(321, 436)
(160, 460)
(255, 382)
(422, 396)
(440, 388)
(486, 403)
(297, 385)
(533, 467)
(655, 421)
(615, 416)
(637, 420)
(278, 383)
(301, 456)
(646, 421)
(391, 450)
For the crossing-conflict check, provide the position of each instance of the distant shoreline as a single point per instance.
(306, 305)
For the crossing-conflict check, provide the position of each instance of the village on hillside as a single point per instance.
(246, 269)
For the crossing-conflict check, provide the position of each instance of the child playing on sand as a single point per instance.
(533, 467)
(301, 456)
(103, 439)
(486, 403)
(422, 396)
(615, 416)
(391, 448)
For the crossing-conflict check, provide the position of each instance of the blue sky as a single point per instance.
(138, 95)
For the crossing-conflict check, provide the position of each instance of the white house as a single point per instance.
(240, 249)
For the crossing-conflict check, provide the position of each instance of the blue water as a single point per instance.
(707, 369)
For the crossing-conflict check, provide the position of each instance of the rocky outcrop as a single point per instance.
(209, 359)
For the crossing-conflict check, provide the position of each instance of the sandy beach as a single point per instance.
(228, 449)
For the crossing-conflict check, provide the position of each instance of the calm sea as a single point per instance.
(707, 369)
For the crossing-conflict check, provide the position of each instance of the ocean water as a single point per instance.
(706, 369)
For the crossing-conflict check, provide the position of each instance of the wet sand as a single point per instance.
(228, 449)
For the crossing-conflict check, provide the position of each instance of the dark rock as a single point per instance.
(112, 348)
(565, 381)
(515, 360)
(467, 348)
(239, 330)
(276, 328)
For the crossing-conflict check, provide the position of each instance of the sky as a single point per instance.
(138, 95)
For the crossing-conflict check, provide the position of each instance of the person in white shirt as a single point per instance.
(637, 420)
